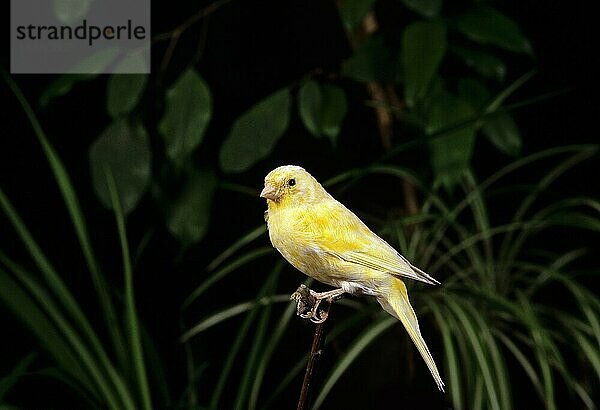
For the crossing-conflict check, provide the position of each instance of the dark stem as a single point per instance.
(313, 358)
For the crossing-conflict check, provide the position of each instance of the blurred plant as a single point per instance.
(443, 71)
(492, 305)
(435, 74)
(43, 302)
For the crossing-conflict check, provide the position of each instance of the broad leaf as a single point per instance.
(255, 133)
(371, 61)
(354, 11)
(426, 8)
(489, 26)
(474, 92)
(452, 147)
(502, 131)
(423, 47)
(125, 90)
(322, 108)
(87, 69)
(125, 150)
(189, 216)
(188, 112)
(482, 61)
(69, 12)
(499, 127)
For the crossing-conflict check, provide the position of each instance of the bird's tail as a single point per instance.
(395, 302)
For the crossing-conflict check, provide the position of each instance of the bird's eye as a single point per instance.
(292, 182)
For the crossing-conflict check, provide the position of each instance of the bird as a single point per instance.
(323, 239)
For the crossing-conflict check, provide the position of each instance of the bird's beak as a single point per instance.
(269, 192)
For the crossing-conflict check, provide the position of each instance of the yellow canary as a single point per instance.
(323, 239)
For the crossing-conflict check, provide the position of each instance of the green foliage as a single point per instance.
(124, 149)
(423, 47)
(446, 78)
(123, 91)
(451, 151)
(255, 133)
(322, 109)
(44, 303)
(189, 215)
(188, 113)
(353, 12)
(488, 26)
(372, 60)
(70, 11)
(427, 8)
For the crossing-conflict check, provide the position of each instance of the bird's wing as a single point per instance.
(343, 235)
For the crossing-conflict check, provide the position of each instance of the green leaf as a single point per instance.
(69, 12)
(87, 69)
(474, 92)
(322, 108)
(354, 11)
(310, 102)
(498, 127)
(131, 316)
(189, 216)
(62, 86)
(96, 63)
(488, 26)
(255, 133)
(426, 8)
(125, 90)
(371, 61)
(502, 131)
(485, 63)
(125, 150)
(451, 150)
(188, 112)
(423, 47)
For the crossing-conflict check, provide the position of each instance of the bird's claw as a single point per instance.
(308, 302)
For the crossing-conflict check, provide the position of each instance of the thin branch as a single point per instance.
(313, 358)
(177, 31)
(307, 306)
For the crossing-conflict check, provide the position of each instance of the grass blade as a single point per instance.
(224, 271)
(74, 342)
(452, 359)
(360, 344)
(76, 216)
(230, 312)
(257, 345)
(541, 342)
(523, 361)
(62, 293)
(237, 245)
(261, 369)
(468, 325)
(133, 328)
(237, 344)
(9, 381)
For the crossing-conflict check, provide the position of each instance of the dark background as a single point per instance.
(251, 49)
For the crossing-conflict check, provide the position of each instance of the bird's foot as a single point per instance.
(308, 302)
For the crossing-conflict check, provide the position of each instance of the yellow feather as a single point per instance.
(325, 240)
(395, 302)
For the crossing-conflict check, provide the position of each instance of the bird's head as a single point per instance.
(291, 185)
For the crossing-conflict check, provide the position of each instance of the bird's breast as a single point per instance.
(293, 234)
